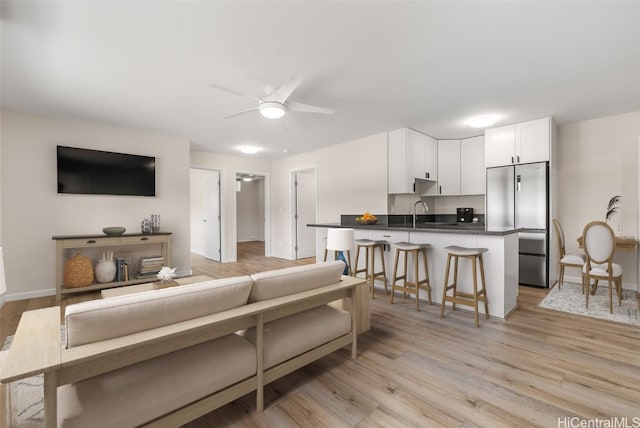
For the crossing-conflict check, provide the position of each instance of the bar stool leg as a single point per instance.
(455, 279)
(446, 286)
(426, 274)
(366, 272)
(354, 272)
(395, 274)
(414, 255)
(406, 273)
(475, 289)
(384, 269)
(484, 288)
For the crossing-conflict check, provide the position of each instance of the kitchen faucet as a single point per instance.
(415, 209)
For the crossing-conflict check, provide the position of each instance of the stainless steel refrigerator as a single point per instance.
(518, 197)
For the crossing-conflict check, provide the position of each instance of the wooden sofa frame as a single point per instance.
(37, 348)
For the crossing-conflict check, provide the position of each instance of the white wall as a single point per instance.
(3, 288)
(250, 211)
(352, 179)
(33, 211)
(228, 166)
(597, 159)
(196, 185)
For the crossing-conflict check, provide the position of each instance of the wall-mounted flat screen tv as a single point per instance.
(94, 172)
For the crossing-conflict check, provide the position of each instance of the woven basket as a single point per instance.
(78, 272)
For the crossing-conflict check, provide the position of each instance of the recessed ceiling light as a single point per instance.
(482, 121)
(249, 150)
(271, 109)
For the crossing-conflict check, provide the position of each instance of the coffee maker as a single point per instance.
(464, 215)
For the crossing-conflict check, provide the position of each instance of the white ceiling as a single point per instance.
(381, 65)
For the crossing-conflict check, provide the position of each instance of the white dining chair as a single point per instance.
(572, 260)
(599, 247)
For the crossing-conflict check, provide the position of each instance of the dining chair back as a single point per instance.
(575, 260)
(599, 246)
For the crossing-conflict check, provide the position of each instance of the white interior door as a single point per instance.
(212, 217)
(305, 213)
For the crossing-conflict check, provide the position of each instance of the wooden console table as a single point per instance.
(66, 244)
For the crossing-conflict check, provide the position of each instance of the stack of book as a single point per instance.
(122, 270)
(149, 266)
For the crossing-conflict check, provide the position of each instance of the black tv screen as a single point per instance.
(94, 172)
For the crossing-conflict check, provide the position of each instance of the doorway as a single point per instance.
(206, 214)
(305, 190)
(252, 213)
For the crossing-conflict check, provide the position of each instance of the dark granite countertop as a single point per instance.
(466, 229)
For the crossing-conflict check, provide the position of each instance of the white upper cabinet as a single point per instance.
(472, 172)
(400, 166)
(533, 140)
(411, 155)
(499, 146)
(524, 142)
(448, 167)
(425, 156)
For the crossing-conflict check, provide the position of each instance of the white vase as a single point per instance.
(105, 271)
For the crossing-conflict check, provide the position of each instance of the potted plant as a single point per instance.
(612, 207)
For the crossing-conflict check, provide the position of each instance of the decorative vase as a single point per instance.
(155, 223)
(145, 226)
(105, 271)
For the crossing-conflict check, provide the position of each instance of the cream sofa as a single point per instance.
(164, 357)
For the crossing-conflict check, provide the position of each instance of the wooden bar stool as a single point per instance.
(460, 297)
(411, 287)
(369, 268)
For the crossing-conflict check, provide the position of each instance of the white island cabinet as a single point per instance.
(500, 262)
(500, 265)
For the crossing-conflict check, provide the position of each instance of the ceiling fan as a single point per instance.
(276, 103)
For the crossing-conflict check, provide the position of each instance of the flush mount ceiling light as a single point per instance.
(482, 121)
(272, 109)
(249, 150)
(247, 178)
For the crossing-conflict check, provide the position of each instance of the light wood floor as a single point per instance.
(415, 369)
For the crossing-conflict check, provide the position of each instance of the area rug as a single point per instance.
(26, 397)
(570, 299)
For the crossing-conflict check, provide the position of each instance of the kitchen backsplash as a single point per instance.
(403, 204)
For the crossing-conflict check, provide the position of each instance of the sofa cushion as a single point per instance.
(282, 282)
(104, 319)
(136, 394)
(288, 337)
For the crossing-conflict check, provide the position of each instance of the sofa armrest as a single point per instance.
(36, 345)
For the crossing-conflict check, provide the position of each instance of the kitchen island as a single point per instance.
(500, 262)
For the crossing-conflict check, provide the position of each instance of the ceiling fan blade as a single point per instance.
(231, 91)
(307, 108)
(241, 112)
(284, 91)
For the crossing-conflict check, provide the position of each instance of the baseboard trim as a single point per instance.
(30, 295)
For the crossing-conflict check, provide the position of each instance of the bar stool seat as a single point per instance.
(411, 287)
(369, 268)
(460, 297)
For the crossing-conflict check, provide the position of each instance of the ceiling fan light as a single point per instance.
(482, 121)
(271, 110)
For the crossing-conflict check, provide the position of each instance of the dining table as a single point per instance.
(623, 243)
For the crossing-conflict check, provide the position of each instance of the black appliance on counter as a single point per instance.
(464, 215)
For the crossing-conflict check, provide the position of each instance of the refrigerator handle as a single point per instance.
(512, 159)
(518, 158)
(518, 182)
